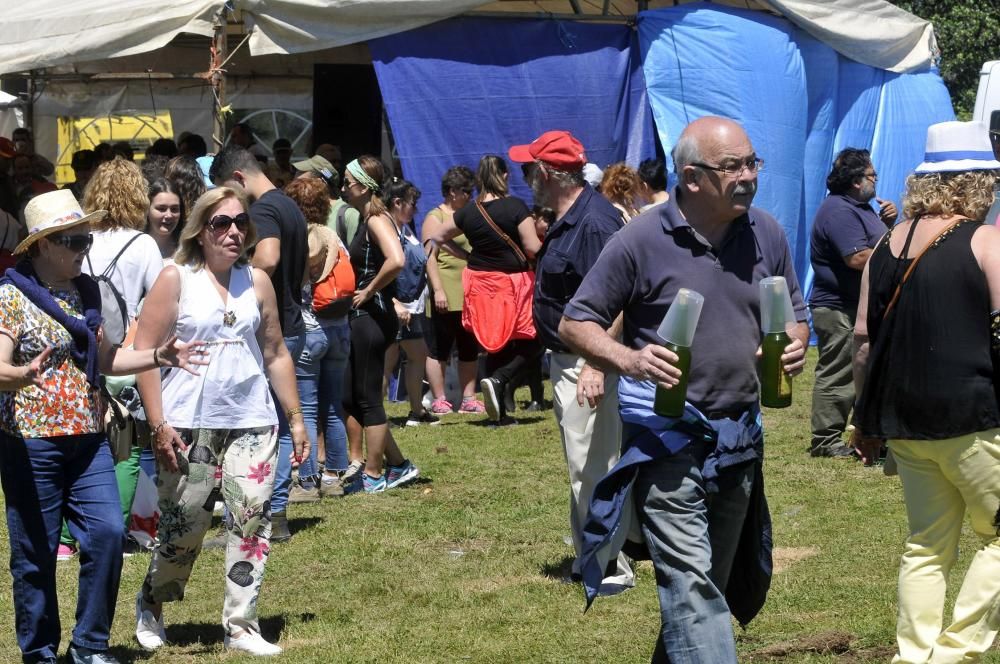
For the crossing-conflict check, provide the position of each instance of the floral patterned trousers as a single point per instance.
(239, 465)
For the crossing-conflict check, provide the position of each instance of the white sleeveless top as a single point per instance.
(231, 392)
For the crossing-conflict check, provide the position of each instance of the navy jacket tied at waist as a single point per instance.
(646, 437)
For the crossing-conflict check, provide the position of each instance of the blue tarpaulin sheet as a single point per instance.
(799, 100)
(461, 88)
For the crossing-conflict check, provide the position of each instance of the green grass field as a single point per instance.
(467, 565)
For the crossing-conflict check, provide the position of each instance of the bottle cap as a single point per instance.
(679, 324)
(776, 312)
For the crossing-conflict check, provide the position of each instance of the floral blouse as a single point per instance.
(67, 406)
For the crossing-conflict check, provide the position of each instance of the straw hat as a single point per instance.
(53, 212)
(322, 239)
(957, 146)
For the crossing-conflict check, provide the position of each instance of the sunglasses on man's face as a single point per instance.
(220, 223)
(75, 243)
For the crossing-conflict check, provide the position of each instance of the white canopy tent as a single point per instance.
(46, 33)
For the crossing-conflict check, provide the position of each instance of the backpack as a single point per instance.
(114, 310)
(412, 278)
(332, 295)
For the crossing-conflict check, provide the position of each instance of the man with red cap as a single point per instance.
(585, 399)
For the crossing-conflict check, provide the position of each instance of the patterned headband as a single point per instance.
(354, 168)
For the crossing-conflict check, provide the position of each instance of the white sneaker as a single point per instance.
(253, 643)
(149, 631)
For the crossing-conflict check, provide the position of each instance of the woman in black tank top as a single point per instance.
(929, 389)
(377, 257)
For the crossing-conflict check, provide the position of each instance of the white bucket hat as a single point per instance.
(52, 212)
(958, 146)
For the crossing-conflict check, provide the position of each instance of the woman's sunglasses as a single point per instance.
(220, 223)
(75, 243)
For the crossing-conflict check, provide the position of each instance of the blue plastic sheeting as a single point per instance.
(800, 101)
(466, 87)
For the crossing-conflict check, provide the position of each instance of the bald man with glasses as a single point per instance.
(695, 482)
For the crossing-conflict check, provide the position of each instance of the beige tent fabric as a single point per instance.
(872, 32)
(47, 33)
(296, 26)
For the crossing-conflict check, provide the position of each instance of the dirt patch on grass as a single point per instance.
(824, 643)
(876, 654)
(786, 556)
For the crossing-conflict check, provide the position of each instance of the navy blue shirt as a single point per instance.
(570, 249)
(842, 226)
(658, 253)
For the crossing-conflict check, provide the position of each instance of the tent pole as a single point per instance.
(218, 79)
(29, 112)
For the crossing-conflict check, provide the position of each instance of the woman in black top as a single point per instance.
(377, 257)
(926, 297)
(498, 279)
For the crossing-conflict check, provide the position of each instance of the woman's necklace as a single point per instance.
(229, 318)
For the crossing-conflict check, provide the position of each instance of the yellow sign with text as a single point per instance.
(139, 129)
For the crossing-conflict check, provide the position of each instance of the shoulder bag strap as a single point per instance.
(916, 259)
(114, 261)
(342, 223)
(503, 236)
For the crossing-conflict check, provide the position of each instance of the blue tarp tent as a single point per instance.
(799, 100)
(461, 88)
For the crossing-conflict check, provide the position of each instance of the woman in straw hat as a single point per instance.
(54, 456)
(930, 295)
(216, 432)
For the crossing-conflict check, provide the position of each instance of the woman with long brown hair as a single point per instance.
(377, 257)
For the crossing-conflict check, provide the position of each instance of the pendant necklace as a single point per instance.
(229, 318)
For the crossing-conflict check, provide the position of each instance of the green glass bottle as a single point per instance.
(670, 403)
(775, 384)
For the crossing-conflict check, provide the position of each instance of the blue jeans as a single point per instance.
(308, 374)
(691, 536)
(331, 393)
(45, 479)
(283, 474)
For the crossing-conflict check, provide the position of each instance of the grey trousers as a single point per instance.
(833, 391)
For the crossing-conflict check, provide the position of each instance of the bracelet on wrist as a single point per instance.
(159, 427)
(292, 411)
(156, 357)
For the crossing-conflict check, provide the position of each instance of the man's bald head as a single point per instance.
(703, 138)
(716, 167)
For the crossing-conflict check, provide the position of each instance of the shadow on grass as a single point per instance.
(561, 570)
(210, 635)
(301, 523)
(533, 418)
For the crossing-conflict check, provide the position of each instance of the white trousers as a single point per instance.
(591, 439)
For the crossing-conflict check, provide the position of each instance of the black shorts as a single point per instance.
(415, 330)
(445, 332)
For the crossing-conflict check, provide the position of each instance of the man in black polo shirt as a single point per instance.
(845, 230)
(282, 252)
(690, 483)
(584, 398)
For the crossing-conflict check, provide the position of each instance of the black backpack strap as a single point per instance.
(342, 223)
(114, 261)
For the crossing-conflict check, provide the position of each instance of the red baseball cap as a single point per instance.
(559, 149)
(7, 148)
